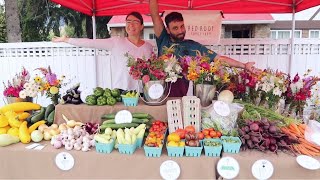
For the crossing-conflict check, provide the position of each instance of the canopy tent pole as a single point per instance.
(94, 37)
(292, 36)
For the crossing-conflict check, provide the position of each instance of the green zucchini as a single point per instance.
(134, 115)
(39, 116)
(50, 119)
(134, 120)
(117, 126)
(49, 109)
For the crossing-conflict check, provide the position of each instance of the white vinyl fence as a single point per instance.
(81, 65)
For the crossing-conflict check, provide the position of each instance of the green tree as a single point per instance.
(3, 32)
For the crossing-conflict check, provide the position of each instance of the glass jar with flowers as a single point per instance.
(155, 73)
(20, 89)
(49, 84)
(207, 76)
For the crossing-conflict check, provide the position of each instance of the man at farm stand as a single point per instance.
(174, 33)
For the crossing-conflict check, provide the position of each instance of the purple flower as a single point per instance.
(51, 78)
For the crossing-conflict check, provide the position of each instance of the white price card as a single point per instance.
(31, 146)
(123, 116)
(228, 167)
(221, 108)
(155, 91)
(170, 170)
(64, 161)
(262, 169)
(308, 162)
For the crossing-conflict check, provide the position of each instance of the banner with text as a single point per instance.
(202, 26)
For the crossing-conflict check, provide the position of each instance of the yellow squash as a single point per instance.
(24, 133)
(13, 119)
(36, 125)
(20, 107)
(3, 121)
(23, 115)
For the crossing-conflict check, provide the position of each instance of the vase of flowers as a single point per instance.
(49, 84)
(207, 76)
(155, 74)
(20, 88)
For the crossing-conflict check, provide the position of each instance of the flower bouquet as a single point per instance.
(299, 90)
(20, 88)
(49, 84)
(165, 67)
(272, 85)
(155, 73)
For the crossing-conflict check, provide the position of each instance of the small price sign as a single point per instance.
(156, 91)
(64, 161)
(228, 167)
(170, 170)
(123, 116)
(221, 108)
(262, 169)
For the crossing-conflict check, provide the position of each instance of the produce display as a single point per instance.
(72, 96)
(103, 97)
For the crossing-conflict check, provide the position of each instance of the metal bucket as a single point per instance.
(10, 100)
(155, 93)
(206, 93)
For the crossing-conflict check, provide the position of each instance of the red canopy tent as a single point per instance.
(122, 7)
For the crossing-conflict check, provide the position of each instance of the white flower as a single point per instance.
(34, 94)
(178, 68)
(22, 94)
(277, 91)
(168, 79)
(26, 85)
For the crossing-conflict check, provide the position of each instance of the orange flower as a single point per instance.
(192, 76)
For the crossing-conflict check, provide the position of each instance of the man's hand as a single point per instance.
(60, 39)
(249, 66)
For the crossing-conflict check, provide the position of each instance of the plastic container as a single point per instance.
(104, 148)
(139, 142)
(127, 148)
(174, 115)
(212, 151)
(152, 151)
(193, 151)
(130, 101)
(175, 151)
(231, 147)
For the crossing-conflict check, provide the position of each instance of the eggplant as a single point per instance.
(76, 101)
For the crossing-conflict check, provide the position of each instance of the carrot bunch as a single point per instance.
(303, 146)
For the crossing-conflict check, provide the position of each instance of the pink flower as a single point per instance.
(145, 78)
(51, 78)
(205, 65)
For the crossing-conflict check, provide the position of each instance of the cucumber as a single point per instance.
(134, 115)
(50, 119)
(140, 121)
(134, 120)
(49, 109)
(117, 126)
(38, 116)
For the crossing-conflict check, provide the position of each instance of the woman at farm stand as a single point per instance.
(119, 46)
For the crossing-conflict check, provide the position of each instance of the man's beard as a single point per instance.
(178, 37)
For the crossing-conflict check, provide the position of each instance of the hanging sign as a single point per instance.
(170, 170)
(64, 161)
(123, 116)
(262, 169)
(228, 167)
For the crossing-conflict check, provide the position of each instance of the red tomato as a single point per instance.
(211, 129)
(200, 136)
(207, 137)
(190, 129)
(206, 132)
(219, 134)
(181, 133)
(213, 134)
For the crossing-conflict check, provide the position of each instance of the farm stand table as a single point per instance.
(285, 166)
(86, 113)
(20, 163)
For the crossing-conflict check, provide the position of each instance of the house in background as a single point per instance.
(275, 26)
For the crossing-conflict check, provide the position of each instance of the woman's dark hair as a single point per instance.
(173, 16)
(137, 15)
